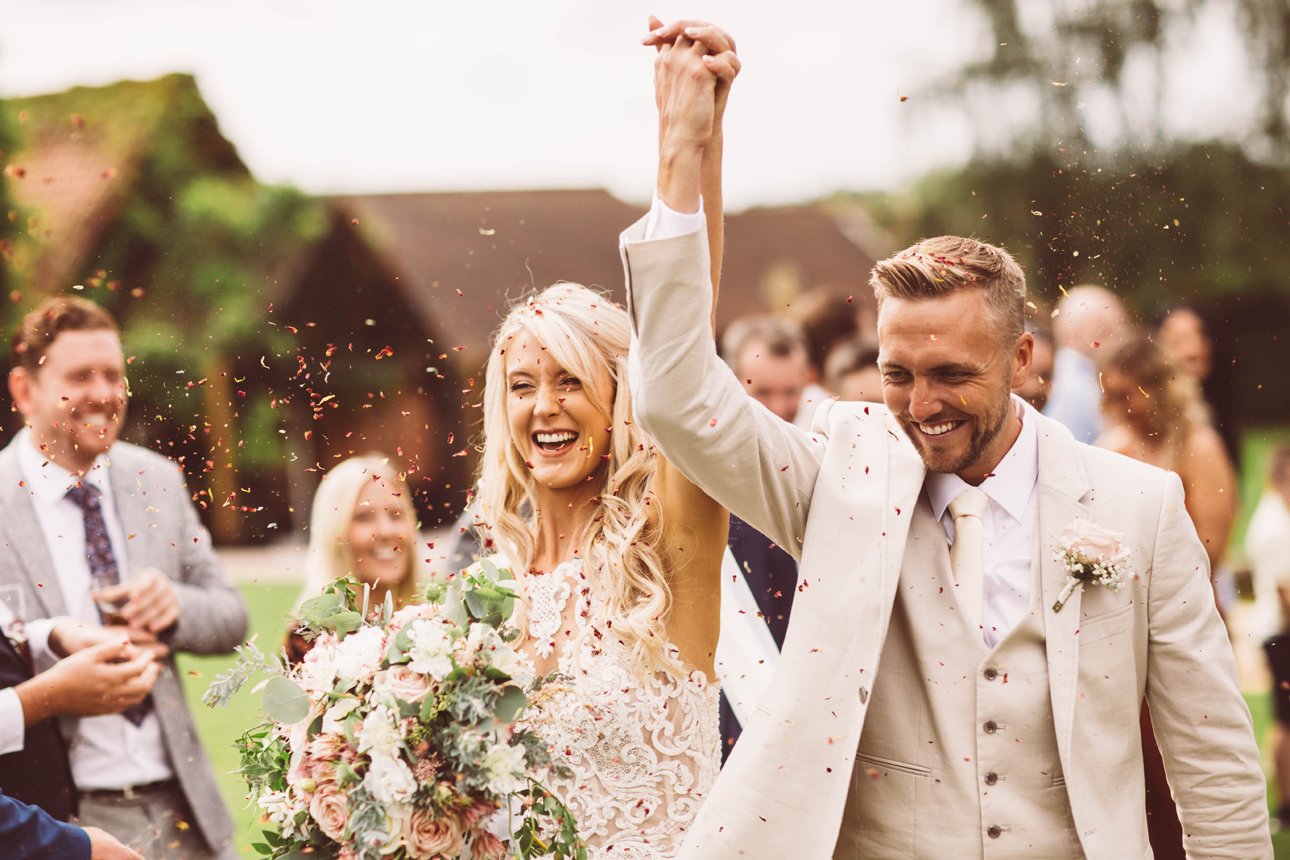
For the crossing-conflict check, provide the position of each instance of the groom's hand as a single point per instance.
(721, 60)
(685, 85)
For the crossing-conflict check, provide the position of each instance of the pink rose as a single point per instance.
(426, 835)
(478, 811)
(487, 847)
(406, 684)
(1093, 542)
(330, 809)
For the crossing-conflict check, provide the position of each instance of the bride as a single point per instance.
(617, 557)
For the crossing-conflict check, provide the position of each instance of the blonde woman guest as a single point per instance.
(362, 525)
(1154, 416)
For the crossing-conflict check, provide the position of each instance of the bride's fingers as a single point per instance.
(669, 32)
(654, 24)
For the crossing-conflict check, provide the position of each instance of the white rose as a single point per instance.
(380, 733)
(331, 724)
(318, 671)
(359, 656)
(431, 651)
(504, 766)
(390, 780)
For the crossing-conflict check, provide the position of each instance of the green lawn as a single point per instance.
(220, 727)
(269, 606)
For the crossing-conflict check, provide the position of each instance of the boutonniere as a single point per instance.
(1090, 553)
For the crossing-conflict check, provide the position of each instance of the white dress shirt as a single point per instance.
(108, 751)
(1008, 527)
(1267, 546)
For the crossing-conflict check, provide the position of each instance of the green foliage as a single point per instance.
(1067, 59)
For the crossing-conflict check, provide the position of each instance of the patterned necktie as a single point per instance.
(103, 569)
(967, 555)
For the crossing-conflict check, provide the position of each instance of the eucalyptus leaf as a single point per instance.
(285, 700)
(316, 609)
(344, 623)
(489, 569)
(475, 604)
(454, 608)
(511, 704)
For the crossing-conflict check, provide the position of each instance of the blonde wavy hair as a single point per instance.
(329, 556)
(586, 334)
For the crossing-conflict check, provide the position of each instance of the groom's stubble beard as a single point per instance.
(986, 429)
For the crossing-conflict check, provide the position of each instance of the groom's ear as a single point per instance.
(1023, 355)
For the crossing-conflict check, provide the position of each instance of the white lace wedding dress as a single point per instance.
(641, 757)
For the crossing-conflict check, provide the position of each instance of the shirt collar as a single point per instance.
(50, 481)
(1013, 480)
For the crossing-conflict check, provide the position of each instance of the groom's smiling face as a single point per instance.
(947, 379)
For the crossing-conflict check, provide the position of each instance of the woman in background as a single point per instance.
(1154, 415)
(362, 525)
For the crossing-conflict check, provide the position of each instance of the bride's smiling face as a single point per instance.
(556, 427)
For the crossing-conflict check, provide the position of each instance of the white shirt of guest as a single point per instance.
(108, 751)
(1008, 527)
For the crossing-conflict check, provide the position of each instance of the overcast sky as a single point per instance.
(382, 96)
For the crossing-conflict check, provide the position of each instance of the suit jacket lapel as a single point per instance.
(21, 531)
(1062, 483)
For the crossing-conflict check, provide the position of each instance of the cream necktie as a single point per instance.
(967, 555)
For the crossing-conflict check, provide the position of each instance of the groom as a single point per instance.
(931, 701)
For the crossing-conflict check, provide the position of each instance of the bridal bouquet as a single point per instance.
(395, 737)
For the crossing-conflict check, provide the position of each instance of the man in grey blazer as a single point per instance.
(105, 532)
(939, 693)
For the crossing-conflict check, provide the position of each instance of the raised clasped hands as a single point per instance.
(693, 71)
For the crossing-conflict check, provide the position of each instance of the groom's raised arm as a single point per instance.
(730, 446)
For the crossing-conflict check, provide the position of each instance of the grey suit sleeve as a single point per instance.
(760, 468)
(1201, 722)
(212, 615)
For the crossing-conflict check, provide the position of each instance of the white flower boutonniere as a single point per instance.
(1090, 553)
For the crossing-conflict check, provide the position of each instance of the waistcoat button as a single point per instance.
(991, 778)
(991, 673)
(995, 831)
(990, 726)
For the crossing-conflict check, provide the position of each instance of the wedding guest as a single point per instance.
(851, 371)
(1186, 336)
(1267, 546)
(362, 525)
(617, 556)
(771, 357)
(1039, 382)
(827, 319)
(102, 673)
(1090, 323)
(105, 532)
(943, 690)
(1153, 417)
(30, 833)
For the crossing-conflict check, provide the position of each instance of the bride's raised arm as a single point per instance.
(693, 73)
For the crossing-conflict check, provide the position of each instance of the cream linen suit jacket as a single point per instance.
(163, 531)
(841, 498)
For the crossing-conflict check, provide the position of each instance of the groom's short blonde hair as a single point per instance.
(939, 266)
